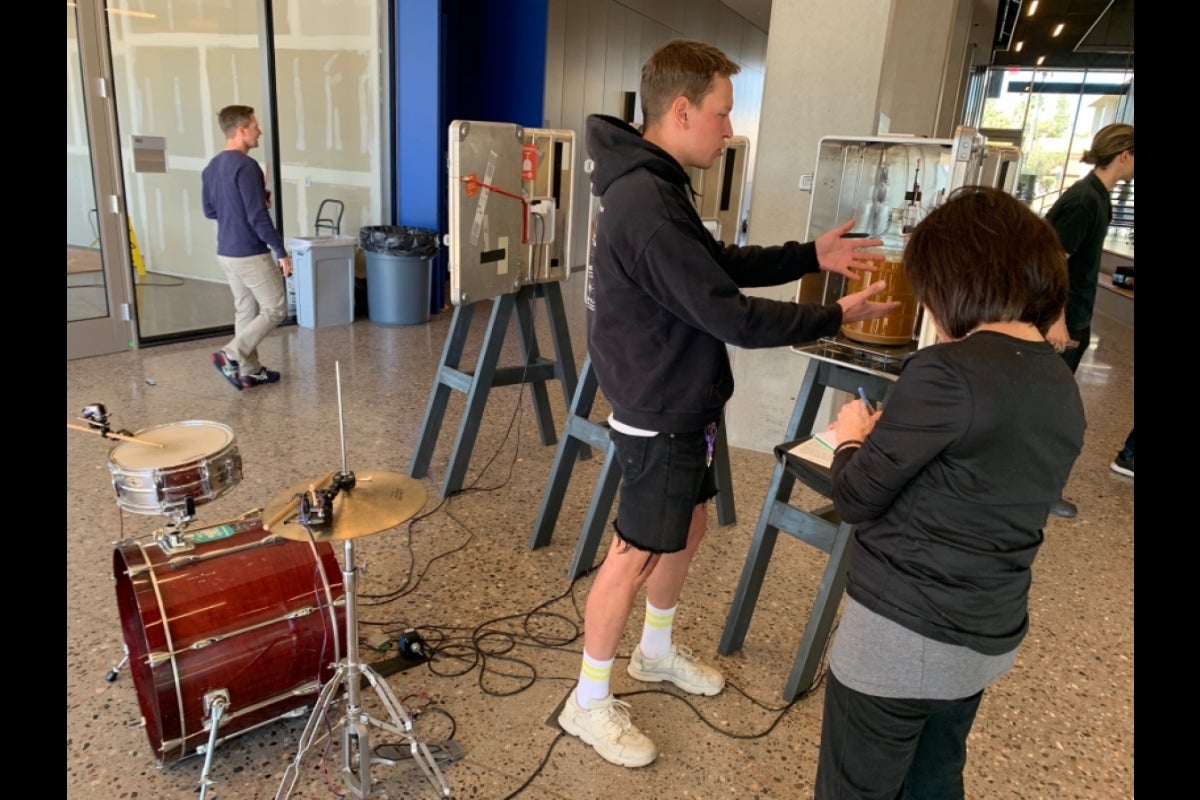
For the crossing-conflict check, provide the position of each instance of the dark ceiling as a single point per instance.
(1096, 34)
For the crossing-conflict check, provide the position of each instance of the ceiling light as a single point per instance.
(1040, 59)
(1058, 29)
(1033, 7)
(1017, 47)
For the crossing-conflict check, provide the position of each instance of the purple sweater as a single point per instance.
(234, 195)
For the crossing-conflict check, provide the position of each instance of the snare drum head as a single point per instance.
(183, 443)
(195, 461)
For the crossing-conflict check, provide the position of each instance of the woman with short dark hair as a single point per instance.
(949, 486)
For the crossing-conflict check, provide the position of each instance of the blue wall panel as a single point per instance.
(458, 59)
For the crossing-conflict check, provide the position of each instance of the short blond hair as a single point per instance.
(681, 67)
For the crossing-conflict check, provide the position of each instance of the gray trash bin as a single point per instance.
(321, 287)
(398, 273)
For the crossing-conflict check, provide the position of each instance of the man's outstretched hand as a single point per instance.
(858, 307)
(840, 255)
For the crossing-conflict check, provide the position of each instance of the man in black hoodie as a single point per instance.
(664, 298)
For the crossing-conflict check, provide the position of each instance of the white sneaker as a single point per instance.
(679, 667)
(607, 728)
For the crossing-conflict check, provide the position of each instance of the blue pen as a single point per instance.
(863, 394)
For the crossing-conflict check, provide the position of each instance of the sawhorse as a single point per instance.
(819, 527)
(580, 432)
(476, 385)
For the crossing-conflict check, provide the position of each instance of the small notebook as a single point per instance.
(809, 460)
(817, 448)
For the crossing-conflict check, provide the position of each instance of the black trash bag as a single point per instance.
(398, 241)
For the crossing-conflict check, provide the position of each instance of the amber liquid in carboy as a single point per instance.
(895, 327)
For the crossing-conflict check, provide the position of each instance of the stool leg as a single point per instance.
(820, 619)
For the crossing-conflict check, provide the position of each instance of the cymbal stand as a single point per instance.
(357, 722)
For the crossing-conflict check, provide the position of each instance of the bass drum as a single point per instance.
(241, 615)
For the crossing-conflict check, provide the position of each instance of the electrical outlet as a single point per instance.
(806, 183)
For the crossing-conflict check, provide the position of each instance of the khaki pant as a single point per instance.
(259, 305)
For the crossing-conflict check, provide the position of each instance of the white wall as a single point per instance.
(594, 55)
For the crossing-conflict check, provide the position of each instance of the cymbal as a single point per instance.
(378, 501)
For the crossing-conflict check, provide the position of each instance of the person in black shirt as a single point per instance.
(664, 299)
(1081, 217)
(949, 486)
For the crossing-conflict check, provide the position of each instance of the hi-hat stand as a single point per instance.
(357, 722)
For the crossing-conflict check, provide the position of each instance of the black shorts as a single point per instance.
(663, 479)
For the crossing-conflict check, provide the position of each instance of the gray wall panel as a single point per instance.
(597, 48)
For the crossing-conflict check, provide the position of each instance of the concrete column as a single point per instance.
(850, 68)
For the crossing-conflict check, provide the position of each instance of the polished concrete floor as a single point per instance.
(502, 622)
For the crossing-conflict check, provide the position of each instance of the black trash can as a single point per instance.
(399, 263)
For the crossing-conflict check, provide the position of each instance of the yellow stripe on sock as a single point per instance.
(657, 620)
(595, 673)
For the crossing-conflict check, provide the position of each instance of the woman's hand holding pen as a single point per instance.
(855, 421)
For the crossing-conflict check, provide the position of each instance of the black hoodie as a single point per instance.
(663, 295)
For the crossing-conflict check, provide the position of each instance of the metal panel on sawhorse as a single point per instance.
(580, 432)
(476, 385)
(819, 527)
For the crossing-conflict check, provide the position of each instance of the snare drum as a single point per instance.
(198, 459)
(243, 614)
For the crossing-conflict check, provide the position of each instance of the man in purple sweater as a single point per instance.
(235, 195)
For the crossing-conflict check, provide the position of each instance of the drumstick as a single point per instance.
(290, 506)
(116, 435)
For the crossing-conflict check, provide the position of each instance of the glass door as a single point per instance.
(98, 301)
(159, 75)
(310, 70)
(172, 73)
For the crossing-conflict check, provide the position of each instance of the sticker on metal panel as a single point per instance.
(481, 210)
(529, 159)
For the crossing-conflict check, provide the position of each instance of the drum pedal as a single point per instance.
(444, 752)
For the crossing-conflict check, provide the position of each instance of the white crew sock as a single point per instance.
(593, 680)
(656, 633)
